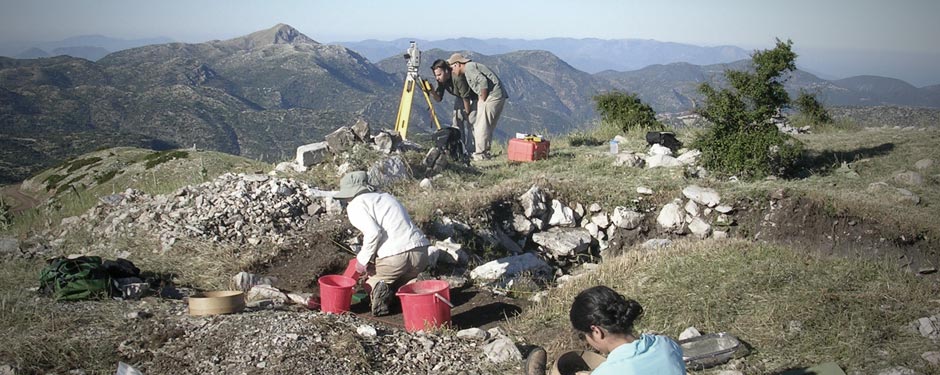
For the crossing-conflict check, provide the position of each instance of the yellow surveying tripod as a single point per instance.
(407, 93)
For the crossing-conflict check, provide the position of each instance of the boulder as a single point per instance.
(601, 220)
(450, 252)
(508, 267)
(502, 350)
(664, 161)
(923, 164)
(522, 225)
(658, 149)
(671, 218)
(314, 153)
(562, 216)
(909, 178)
(340, 139)
(700, 228)
(704, 196)
(692, 208)
(563, 242)
(362, 131)
(533, 202)
(626, 218)
(385, 142)
(388, 171)
(690, 157)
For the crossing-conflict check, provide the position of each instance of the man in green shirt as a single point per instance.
(465, 103)
(492, 97)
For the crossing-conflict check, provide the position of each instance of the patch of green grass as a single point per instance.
(161, 157)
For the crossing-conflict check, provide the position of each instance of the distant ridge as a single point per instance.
(279, 34)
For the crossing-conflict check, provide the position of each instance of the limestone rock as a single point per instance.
(340, 139)
(563, 242)
(533, 202)
(923, 164)
(671, 217)
(510, 266)
(664, 161)
(704, 196)
(630, 160)
(314, 153)
(362, 131)
(562, 215)
(626, 218)
(502, 350)
(700, 228)
(909, 178)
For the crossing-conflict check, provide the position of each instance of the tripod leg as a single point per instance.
(404, 108)
(427, 98)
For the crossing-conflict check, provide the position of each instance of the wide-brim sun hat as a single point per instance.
(457, 58)
(353, 184)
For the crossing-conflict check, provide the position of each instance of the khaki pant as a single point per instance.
(487, 115)
(399, 270)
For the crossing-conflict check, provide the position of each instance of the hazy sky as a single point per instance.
(843, 37)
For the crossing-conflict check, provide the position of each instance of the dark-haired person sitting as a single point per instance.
(606, 319)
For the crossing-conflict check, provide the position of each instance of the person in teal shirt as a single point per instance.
(605, 318)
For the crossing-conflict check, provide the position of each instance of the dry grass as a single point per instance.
(849, 310)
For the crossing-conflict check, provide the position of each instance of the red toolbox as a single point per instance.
(528, 149)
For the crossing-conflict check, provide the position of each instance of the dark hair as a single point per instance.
(440, 63)
(603, 307)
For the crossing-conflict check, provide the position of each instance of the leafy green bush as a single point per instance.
(621, 112)
(161, 157)
(106, 177)
(53, 180)
(753, 152)
(6, 217)
(812, 108)
(75, 165)
(742, 142)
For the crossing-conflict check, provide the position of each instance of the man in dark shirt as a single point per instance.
(465, 101)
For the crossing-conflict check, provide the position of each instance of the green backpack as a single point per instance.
(75, 279)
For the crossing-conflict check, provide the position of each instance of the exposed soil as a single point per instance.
(807, 224)
(297, 269)
(14, 197)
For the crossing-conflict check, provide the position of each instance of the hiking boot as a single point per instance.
(381, 296)
(535, 362)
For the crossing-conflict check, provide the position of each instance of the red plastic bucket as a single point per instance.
(351, 269)
(335, 293)
(425, 304)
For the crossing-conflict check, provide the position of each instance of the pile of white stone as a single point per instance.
(565, 235)
(234, 208)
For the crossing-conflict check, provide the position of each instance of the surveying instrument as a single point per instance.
(412, 78)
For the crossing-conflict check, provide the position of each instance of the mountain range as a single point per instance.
(264, 94)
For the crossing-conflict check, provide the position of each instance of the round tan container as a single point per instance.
(578, 360)
(221, 302)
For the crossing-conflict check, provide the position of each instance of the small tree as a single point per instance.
(742, 141)
(621, 112)
(812, 109)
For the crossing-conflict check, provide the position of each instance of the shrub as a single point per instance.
(807, 104)
(161, 157)
(621, 112)
(75, 165)
(106, 177)
(742, 142)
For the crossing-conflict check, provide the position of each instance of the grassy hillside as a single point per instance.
(793, 300)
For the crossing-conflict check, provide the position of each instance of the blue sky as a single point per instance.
(841, 37)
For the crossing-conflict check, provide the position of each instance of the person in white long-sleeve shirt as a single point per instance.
(396, 244)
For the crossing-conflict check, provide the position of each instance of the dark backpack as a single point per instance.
(448, 145)
(666, 139)
(450, 141)
(66, 279)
